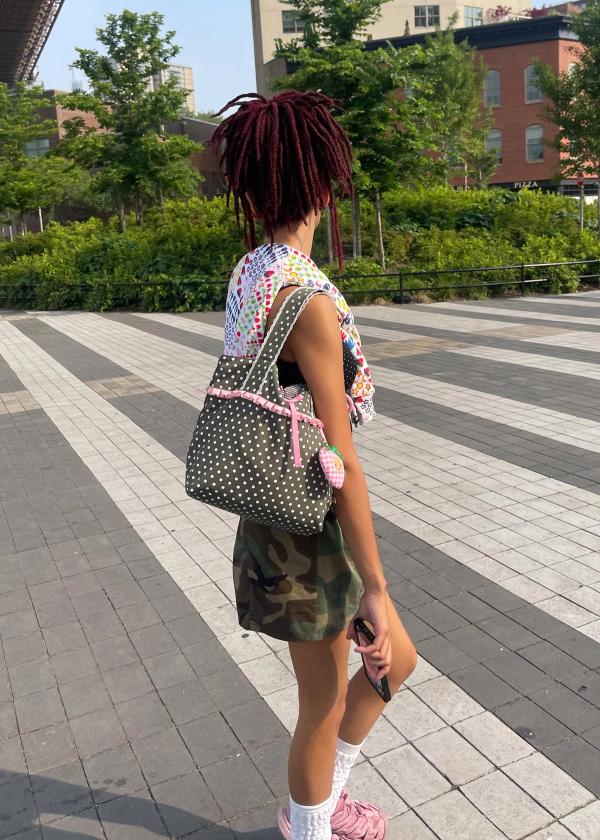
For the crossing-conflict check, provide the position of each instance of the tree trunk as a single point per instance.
(329, 236)
(161, 200)
(122, 223)
(41, 215)
(379, 230)
(356, 233)
(10, 232)
(139, 211)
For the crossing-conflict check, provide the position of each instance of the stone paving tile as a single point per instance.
(551, 787)
(491, 646)
(508, 807)
(452, 817)
(585, 824)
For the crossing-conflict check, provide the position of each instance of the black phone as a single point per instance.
(366, 637)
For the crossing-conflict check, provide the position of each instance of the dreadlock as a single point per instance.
(279, 155)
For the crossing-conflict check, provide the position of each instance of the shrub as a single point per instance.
(361, 280)
(450, 249)
(179, 260)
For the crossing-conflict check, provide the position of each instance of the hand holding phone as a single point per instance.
(366, 637)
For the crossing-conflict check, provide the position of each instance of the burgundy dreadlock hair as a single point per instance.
(281, 154)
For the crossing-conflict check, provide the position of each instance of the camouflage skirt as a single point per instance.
(292, 587)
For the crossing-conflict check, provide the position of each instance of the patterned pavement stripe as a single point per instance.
(534, 360)
(192, 325)
(414, 316)
(201, 342)
(478, 546)
(567, 463)
(503, 316)
(534, 311)
(567, 345)
(489, 347)
(550, 306)
(432, 316)
(499, 542)
(518, 414)
(546, 389)
(543, 422)
(584, 342)
(393, 343)
(434, 725)
(105, 665)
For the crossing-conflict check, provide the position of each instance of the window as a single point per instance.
(534, 140)
(533, 92)
(292, 22)
(37, 148)
(491, 88)
(473, 16)
(427, 16)
(493, 142)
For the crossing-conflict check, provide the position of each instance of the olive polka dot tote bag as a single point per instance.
(257, 449)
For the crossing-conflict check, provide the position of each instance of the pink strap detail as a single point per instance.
(291, 401)
(264, 403)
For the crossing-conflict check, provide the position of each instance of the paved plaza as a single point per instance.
(131, 703)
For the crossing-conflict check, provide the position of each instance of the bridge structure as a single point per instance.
(24, 29)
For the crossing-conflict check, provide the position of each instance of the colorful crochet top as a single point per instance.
(253, 287)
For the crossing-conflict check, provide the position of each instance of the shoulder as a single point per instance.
(318, 320)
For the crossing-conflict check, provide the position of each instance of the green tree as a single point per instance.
(130, 157)
(451, 78)
(51, 181)
(331, 57)
(21, 121)
(335, 21)
(574, 100)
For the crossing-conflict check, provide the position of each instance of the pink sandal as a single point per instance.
(351, 820)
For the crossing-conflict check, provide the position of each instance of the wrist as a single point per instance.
(375, 587)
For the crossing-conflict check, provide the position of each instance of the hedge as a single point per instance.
(181, 260)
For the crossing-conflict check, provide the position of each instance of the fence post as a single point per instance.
(522, 280)
(401, 288)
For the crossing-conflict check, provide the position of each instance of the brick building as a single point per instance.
(520, 132)
(199, 130)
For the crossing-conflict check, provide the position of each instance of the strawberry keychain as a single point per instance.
(332, 465)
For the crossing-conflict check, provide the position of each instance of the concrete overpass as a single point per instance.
(24, 29)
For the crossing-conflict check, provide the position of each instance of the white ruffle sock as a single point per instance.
(345, 756)
(310, 822)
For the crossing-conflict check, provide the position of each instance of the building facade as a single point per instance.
(272, 20)
(184, 77)
(520, 131)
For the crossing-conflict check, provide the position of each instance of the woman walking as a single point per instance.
(283, 159)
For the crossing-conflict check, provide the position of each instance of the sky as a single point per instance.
(215, 37)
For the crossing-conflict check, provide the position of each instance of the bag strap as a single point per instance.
(282, 325)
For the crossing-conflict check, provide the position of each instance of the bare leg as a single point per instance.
(363, 704)
(321, 669)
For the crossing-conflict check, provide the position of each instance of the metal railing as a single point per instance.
(520, 281)
(398, 285)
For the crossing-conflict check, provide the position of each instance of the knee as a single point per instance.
(321, 707)
(403, 664)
